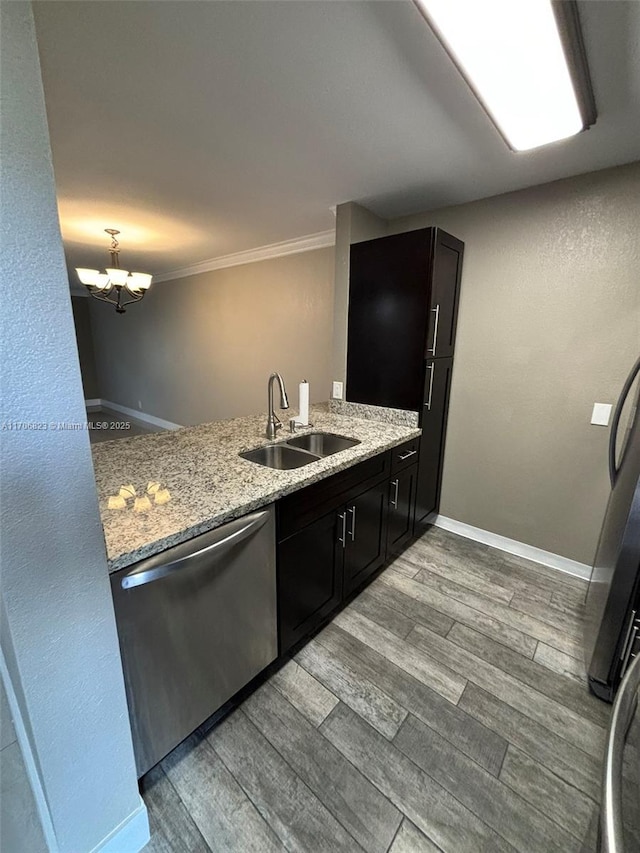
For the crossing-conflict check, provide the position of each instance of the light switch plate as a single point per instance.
(337, 391)
(601, 414)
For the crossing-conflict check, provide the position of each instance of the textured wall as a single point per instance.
(57, 628)
(202, 348)
(84, 339)
(549, 324)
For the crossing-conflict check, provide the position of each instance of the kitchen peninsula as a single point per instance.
(209, 482)
(244, 562)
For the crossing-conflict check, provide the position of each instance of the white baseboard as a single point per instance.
(512, 546)
(130, 836)
(132, 413)
(93, 403)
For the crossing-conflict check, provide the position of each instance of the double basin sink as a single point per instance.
(299, 451)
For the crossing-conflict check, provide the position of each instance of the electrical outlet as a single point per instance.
(601, 414)
(336, 393)
(140, 404)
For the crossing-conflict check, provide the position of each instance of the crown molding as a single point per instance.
(321, 240)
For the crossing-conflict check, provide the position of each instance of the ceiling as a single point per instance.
(202, 129)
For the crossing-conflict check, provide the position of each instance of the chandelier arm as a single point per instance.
(135, 299)
(103, 297)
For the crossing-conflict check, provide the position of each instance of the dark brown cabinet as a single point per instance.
(364, 542)
(402, 494)
(403, 307)
(434, 427)
(309, 578)
(331, 539)
(446, 270)
(388, 313)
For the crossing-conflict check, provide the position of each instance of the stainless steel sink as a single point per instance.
(322, 443)
(299, 451)
(280, 456)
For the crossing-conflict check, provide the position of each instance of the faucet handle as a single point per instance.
(293, 424)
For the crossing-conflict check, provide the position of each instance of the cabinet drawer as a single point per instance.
(297, 510)
(405, 454)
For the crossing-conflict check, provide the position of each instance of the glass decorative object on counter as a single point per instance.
(128, 497)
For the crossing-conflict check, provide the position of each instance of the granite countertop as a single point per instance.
(209, 482)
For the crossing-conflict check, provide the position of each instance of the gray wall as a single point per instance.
(201, 348)
(84, 339)
(549, 324)
(57, 629)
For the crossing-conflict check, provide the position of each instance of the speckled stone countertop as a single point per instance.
(400, 417)
(208, 481)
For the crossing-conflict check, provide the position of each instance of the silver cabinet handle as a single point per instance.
(625, 705)
(394, 502)
(407, 455)
(183, 556)
(352, 532)
(343, 519)
(431, 369)
(436, 311)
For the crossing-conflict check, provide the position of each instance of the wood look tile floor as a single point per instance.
(446, 708)
(126, 426)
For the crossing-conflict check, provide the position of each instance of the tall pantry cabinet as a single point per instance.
(403, 308)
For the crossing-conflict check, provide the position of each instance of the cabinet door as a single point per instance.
(445, 289)
(366, 536)
(309, 578)
(402, 497)
(388, 307)
(434, 426)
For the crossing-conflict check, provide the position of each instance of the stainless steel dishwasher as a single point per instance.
(196, 623)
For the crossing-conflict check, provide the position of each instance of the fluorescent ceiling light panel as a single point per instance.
(511, 54)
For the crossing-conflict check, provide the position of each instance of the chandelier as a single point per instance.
(116, 286)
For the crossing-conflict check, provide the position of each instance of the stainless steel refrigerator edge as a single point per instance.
(196, 623)
(612, 626)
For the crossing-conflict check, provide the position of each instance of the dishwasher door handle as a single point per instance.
(184, 557)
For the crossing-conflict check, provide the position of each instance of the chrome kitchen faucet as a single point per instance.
(273, 422)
